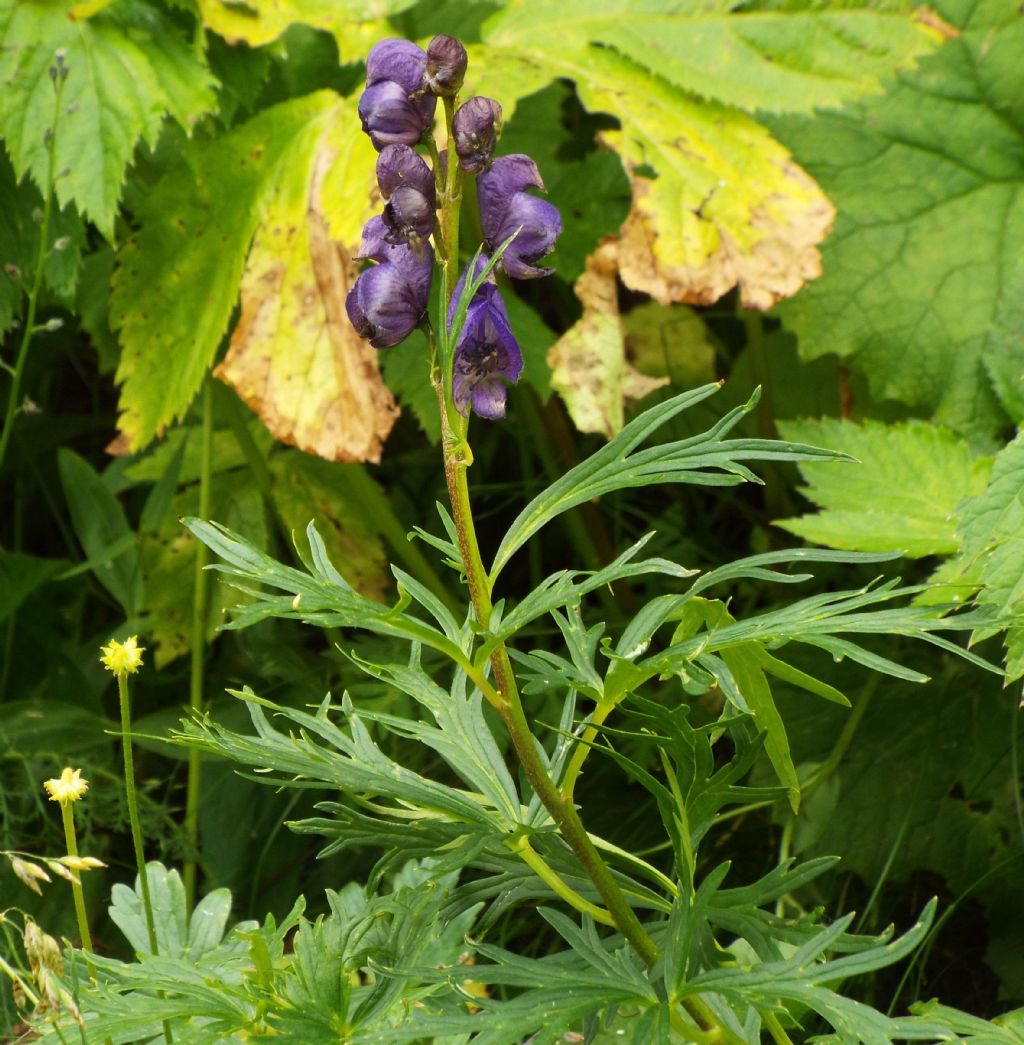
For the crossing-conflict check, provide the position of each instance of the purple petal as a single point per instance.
(388, 300)
(505, 206)
(486, 357)
(400, 165)
(389, 117)
(398, 60)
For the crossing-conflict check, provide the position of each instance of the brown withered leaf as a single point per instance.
(778, 252)
(294, 357)
(588, 363)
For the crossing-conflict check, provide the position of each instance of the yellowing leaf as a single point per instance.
(670, 342)
(717, 202)
(589, 368)
(294, 356)
(354, 24)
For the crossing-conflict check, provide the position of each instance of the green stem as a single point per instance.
(136, 825)
(133, 808)
(37, 280)
(71, 842)
(457, 458)
(196, 702)
(583, 746)
(547, 874)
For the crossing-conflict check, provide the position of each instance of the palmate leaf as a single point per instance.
(253, 202)
(726, 204)
(128, 67)
(924, 286)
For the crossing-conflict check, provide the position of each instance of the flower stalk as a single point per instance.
(67, 789)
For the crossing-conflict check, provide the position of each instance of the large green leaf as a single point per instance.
(716, 200)
(128, 67)
(924, 276)
(177, 279)
(901, 493)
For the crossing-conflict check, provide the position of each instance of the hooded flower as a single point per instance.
(487, 354)
(476, 126)
(389, 299)
(407, 183)
(505, 205)
(393, 109)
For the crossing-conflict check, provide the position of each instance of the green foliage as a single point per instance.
(902, 494)
(923, 278)
(208, 187)
(128, 67)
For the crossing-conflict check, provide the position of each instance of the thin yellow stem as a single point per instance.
(71, 841)
(547, 874)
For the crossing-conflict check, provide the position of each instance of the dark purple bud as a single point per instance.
(487, 354)
(388, 300)
(446, 66)
(400, 61)
(390, 117)
(505, 206)
(476, 127)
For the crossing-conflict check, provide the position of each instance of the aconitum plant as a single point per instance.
(477, 355)
(514, 697)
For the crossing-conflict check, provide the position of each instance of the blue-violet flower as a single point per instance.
(407, 183)
(487, 354)
(446, 66)
(505, 205)
(388, 300)
(393, 108)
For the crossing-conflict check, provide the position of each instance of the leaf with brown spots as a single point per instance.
(589, 368)
(249, 210)
(294, 356)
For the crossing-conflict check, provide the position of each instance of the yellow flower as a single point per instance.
(69, 787)
(123, 658)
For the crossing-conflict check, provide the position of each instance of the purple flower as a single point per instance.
(446, 66)
(393, 109)
(505, 205)
(398, 60)
(475, 127)
(388, 300)
(487, 354)
(407, 183)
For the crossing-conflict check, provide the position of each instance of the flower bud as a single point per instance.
(446, 66)
(476, 127)
(392, 108)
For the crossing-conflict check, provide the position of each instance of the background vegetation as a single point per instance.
(826, 200)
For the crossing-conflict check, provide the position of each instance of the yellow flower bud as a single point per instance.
(123, 658)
